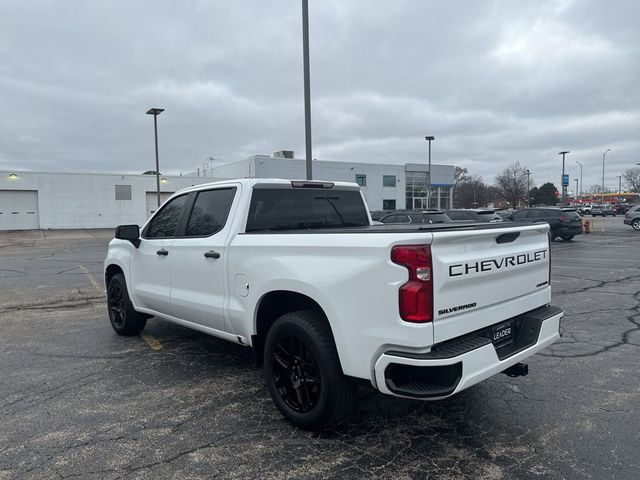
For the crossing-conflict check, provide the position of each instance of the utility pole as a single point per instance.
(429, 138)
(581, 190)
(603, 157)
(307, 88)
(564, 187)
(155, 112)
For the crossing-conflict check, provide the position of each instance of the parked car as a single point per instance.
(473, 215)
(419, 217)
(632, 217)
(376, 215)
(622, 208)
(563, 222)
(585, 209)
(602, 211)
(504, 214)
(295, 270)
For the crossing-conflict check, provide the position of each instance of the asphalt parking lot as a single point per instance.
(76, 400)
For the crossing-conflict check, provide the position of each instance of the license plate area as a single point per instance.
(502, 334)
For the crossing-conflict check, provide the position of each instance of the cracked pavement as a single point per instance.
(78, 401)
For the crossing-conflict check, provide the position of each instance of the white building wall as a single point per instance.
(240, 169)
(81, 200)
(374, 192)
(442, 175)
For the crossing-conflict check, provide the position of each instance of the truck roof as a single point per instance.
(251, 182)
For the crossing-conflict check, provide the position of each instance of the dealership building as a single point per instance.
(385, 186)
(41, 200)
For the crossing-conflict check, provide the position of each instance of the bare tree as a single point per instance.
(594, 189)
(512, 184)
(631, 179)
(459, 174)
(472, 192)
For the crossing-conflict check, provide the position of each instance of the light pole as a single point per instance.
(528, 189)
(580, 191)
(576, 195)
(155, 112)
(429, 138)
(603, 157)
(564, 187)
(307, 88)
(619, 184)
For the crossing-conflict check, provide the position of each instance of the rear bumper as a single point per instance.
(457, 364)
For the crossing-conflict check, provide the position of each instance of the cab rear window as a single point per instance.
(300, 209)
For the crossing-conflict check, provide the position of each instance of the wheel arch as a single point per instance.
(111, 271)
(273, 305)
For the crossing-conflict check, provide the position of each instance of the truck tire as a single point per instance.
(303, 374)
(124, 319)
(568, 238)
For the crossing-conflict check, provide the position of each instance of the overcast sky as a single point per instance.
(494, 81)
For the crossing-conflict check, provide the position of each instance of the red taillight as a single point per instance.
(415, 298)
(564, 220)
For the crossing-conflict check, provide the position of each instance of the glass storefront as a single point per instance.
(416, 194)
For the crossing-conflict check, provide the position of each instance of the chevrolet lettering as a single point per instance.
(496, 264)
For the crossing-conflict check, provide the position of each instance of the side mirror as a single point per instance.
(129, 232)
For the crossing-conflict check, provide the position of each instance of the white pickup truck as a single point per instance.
(296, 270)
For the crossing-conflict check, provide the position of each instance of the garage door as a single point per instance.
(19, 210)
(152, 201)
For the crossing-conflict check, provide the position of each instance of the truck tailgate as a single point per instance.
(482, 277)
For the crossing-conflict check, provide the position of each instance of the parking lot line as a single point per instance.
(93, 281)
(152, 342)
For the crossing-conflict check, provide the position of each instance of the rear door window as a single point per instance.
(519, 215)
(536, 215)
(570, 215)
(210, 211)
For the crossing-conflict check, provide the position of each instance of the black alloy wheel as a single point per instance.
(296, 374)
(125, 320)
(303, 373)
(117, 307)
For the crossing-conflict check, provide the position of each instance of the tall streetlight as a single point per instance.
(603, 157)
(580, 191)
(528, 189)
(576, 195)
(307, 88)
(429, 138)
(564, 187)
(155, 112)
(619, 184)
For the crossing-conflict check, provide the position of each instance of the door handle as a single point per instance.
(162, 252)
(211, 254)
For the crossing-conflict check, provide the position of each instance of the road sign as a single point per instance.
(565, 180)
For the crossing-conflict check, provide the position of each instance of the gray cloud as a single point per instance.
(494, 81)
